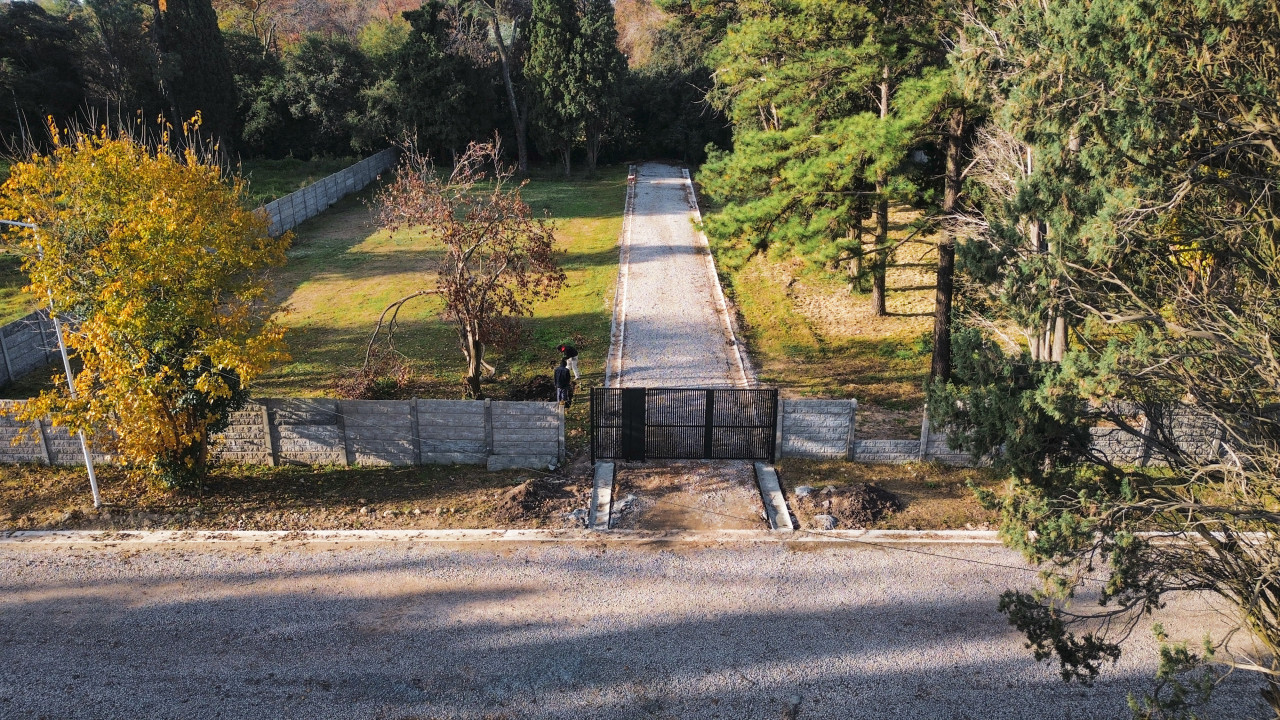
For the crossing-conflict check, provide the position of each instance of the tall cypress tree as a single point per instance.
(554, 76)
(194, 74)
(436, 88)
(602, 68)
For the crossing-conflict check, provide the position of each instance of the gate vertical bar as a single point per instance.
(773, 436)
(633, 424)
(591, 410)
(709, 426)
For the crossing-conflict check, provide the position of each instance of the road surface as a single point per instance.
(606, 629)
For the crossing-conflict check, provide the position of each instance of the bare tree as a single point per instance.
(498, 259)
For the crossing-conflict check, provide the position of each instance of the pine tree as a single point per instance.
(436, 87)
(1125, 194)
(827, 100)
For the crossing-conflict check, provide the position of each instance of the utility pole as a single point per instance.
(66, 364)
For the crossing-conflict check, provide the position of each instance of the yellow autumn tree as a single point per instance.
(158, 266)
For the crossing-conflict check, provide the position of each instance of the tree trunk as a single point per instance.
(475, 364)
(566, 152)
(1059, 338)
(881, 261)
(518, 118)
(940, 369)
(160, 45)
(593, 151)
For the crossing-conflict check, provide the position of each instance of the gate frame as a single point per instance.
(628, 431)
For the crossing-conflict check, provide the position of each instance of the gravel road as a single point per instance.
(582, 630)
(675, 336)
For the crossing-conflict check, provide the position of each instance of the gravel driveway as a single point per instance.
(583, 630)
(675, 334)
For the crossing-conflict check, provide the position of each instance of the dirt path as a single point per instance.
(671, 329)
(688, 496)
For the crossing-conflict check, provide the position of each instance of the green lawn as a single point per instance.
(342, 272)
(14, 301)
(271, 179)
(268, 180)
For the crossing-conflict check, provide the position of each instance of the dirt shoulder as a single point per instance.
(687, 496)
(34, 497)
(916, 496)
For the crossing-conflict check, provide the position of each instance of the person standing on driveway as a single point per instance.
(564, 386)
(571, 357)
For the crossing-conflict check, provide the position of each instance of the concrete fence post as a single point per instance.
(1147, 445)
(851, 445)
(488, 428)
(272, 456)
(273, 436)
(4, 350)
(561, 451)
(49, 353)
(780, 437)
(415, 429)
(348, 455)
(44, 442)
(924, 434)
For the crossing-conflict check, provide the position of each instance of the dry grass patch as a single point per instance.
(811, 332)
(343, 271)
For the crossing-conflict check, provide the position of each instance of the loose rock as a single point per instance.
(824, 522)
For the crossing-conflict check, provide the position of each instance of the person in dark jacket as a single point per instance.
(564, 386)
(571, 357)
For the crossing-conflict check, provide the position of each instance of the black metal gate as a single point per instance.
(683, 424)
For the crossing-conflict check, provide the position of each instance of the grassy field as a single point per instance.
(14, 301)
(342, 272)
(270, 179)
(811, 333)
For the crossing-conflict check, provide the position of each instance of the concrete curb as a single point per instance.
(602, 498)
(722, 303)
(62, 538)
(775, 505)
(618, 327)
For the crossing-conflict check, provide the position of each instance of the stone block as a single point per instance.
(447, 458)
(508, 462)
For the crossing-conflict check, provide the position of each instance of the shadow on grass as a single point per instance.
(324, 354)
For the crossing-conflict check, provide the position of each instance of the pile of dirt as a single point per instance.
(851, 506)
(531, 498)
(539, 387)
